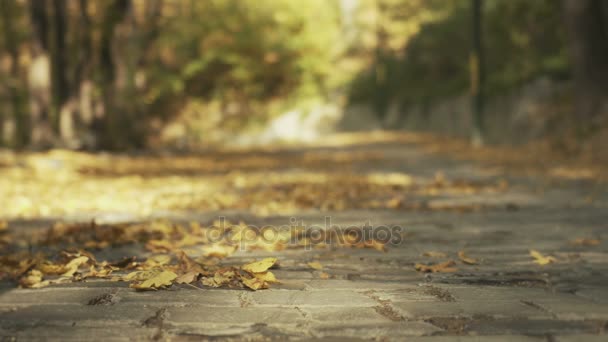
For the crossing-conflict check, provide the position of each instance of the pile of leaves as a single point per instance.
(59, 183)
(168, 264)
(156, 272)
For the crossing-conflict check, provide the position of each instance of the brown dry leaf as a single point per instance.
(465, 259)
(51, 269)
(315, 265)
(585, 242)
(159, 246)
(187, 278)
(3, 226)
(324, 275)
(541, 259)
(33, 280)
(221, 277)
(259, 266)
(160, 279)
(435, 254)
(444, 267)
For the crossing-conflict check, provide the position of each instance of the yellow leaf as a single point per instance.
(434, 254)
(33, 279)
(163, 278)
(541, 259)
(73, 265)
(157, 260)
(443, 267)
(140, 275)
(3, 226)
(254, 283)
(315, 265)
(266, 276)
(259, 266)
(465, 259)
(51, 269)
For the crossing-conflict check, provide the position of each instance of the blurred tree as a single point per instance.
(587, 23)
(9, 14)
(477, 72)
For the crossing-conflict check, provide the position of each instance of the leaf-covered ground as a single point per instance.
(257, 220)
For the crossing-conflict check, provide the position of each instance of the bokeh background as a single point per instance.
(185, 74)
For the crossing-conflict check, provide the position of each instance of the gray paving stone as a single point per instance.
(381, 331)
(202, 315)
(324, 298)
(497, 309)
(339, 316)
(75, 315)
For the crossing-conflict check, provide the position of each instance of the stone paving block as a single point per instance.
(419, 309)
(181, 297)
(339, 316)
(75, 315)
(581, 337)
(492, 293)
(359, 285)
(574, 308)
(503, 338)
(597, 294)
(229, 315)
(76, 333)
(382, 331)
(325, 298)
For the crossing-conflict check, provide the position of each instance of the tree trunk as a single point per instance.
(59, 83)
(587, 25)
(111, 124)
(39, 77)
(21, 129)
(476, 64)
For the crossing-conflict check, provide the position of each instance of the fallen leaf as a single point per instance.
(73, 266)
(585, 242)
(434, 254)
(254, 283)
(444, 267)
(187, 278)
(259, 266)
(541, 259)
(324, 275)
(315, 265)
(162, 278)
(218, 250)
(465, 259)
(266, 276)
(32, 279)
(157, 261)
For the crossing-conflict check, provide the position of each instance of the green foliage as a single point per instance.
(243, 51)
(523, 39)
